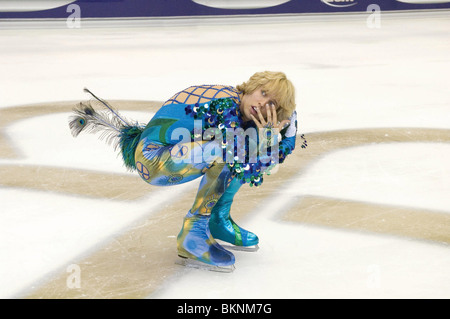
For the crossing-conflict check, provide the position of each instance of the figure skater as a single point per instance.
(228, 136)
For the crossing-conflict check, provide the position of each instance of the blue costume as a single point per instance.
(199, 132)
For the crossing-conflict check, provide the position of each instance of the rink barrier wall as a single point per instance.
(58, 9)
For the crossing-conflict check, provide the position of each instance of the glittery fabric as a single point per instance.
(223, 116)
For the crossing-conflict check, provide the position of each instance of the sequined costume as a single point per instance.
(198, 133)
(163, 159)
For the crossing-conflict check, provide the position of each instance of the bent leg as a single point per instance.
(223, 227)
(195, 240)
(169, 165)
(162, 165)
(212, 186)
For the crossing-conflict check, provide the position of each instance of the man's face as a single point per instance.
(259, 99)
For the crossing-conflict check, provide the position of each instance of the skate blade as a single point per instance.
(251, 249)
(191, 263)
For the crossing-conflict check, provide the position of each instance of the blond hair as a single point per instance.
(275, 84)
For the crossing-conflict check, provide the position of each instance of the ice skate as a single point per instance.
(198, 249)
(223, 227)
(191, 263)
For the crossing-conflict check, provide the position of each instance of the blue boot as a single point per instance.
(198, 249)
(223, 227)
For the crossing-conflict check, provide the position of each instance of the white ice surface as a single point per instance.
(415, 175)
(298, 261)
(347, 76)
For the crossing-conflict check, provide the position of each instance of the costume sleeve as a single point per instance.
(288, 137)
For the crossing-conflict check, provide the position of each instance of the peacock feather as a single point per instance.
(112, 126)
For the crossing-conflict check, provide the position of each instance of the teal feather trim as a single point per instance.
(129, 140)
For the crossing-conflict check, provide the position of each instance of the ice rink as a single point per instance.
(363, 212)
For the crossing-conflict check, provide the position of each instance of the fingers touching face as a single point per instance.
(259, 103)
